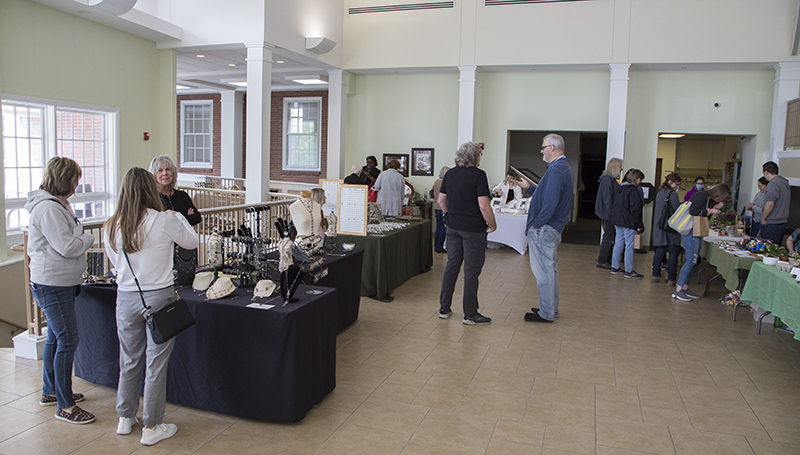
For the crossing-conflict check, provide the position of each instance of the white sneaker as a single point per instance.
(158, 433)
(125, 424)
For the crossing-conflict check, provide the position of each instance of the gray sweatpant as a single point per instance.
(136, 346)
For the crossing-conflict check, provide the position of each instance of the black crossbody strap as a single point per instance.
(136, 280)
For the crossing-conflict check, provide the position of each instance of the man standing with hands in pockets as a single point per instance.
(548, 213)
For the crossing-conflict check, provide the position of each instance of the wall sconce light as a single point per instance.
(319, 45)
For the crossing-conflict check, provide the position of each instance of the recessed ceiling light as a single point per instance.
(181, 87)
(670, 136)
(231, 64)
(239, 83)
(309, 81)
(200, 56)
(279, 61)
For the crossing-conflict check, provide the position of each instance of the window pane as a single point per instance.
(11, 184)
(9, 152)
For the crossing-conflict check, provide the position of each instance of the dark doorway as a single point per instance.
(586, 154)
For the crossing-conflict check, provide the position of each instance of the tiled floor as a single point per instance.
(625, 370)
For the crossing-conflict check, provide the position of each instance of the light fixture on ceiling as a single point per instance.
(238, 83)
(670, 136)
(200, 56)
(182, 87)
(231, 64)
(308, 79)
(279, 61)
(319, 45)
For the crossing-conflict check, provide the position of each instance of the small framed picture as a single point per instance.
(403, 159)
(422, 161)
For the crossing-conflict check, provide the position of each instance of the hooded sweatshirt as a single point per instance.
(56, 242)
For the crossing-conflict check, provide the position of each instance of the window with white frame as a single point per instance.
(302, 128)
(35, 131)
(197, 133)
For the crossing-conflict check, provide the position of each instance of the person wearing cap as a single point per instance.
(139, 240)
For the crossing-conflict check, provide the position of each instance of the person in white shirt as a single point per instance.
(139, 240)
(507, 190)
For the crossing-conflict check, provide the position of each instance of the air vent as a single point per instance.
(403, 7)
(525, 2)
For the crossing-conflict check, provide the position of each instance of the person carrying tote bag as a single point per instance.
(141, 231)
(703, 203)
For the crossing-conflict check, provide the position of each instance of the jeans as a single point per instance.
(755, 230)
(137, 348)
(438, 242)
(624, 239)
(58, 305)
(692, 246)
(773, 232)
(542, 247)
(469, 248)
(672, 261)
(607, 242)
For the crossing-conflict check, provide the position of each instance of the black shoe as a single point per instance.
(617, 271)
(536, 310)
(603, 265)
(445, 314)
(534, 317)
(477, 319)
(634, 275)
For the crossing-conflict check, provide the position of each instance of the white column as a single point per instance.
(231, 132)
(259, 97)
(617, 110)
(337, 109)
(466, 104)
(787, 83)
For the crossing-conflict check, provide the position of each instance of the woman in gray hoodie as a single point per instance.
(56, 247)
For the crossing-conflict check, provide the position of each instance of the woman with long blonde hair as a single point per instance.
(602, 208)
(139, 240)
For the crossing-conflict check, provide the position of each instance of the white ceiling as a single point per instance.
(219, 67)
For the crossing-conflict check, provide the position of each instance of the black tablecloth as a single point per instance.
(391, 259)
(271, 365)
(344, 274)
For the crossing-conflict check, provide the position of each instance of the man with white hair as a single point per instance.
(355, 178)
(548, 214)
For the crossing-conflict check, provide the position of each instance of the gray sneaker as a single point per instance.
(445, 314)
(691, 294)
(681, 295)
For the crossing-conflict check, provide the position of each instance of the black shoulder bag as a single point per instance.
(667, 214)
(169, 321)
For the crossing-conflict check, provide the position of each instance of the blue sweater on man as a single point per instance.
(551, 201)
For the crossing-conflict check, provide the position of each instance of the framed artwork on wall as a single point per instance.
(402, 158)
(421, 161)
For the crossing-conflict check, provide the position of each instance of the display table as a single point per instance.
(392, 258)
(344, 274)
(775, 291)
(270, 365)
(733, 269)
(510, 231)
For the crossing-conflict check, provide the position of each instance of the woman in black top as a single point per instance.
(666, 240)
(164, 170)
(704, 203)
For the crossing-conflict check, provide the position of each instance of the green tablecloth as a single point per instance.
(726, 263)
(775, 291)
(393, 258)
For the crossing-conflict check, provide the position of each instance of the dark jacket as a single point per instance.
(605, 196)
(663, 237)
(626, 211)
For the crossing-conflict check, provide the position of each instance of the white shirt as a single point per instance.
(152, 264)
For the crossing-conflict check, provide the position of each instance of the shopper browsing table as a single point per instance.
(56, 247)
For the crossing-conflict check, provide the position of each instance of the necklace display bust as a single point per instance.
(307, 216)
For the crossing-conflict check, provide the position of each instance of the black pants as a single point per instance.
(607, 243)
(773, 232)
(672, 261)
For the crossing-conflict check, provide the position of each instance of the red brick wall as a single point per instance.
(217, 134)
(276, 171)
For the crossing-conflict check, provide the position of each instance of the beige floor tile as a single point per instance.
(111, 443)
(247, 444)
(503, 447)
(619, 410)
(605, 450)
(646, 437)
(692, 442)
(263, 431)
(424, 446)
(352, 438)
(61, 438)
(781, 428)
(493, 404)
(396, 392)
(563, 391)
(463, 429)
(439, 399)
(408, 378)
(704, 395)
(666, 416)
(632, 376)
(14, 421)
(403, 353)
(661, 397)
(523, 432)
(456, 382)
(489, 380)
(561, 415)
(723, 420)
(346, 397)
(389, 415)
(301, 438)
(767, 447)
(586, 372)
(618, 394)
(194, 430)
(569, 439)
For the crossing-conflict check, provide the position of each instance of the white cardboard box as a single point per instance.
(29, 346)
(758, 311)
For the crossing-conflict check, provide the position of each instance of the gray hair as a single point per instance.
(555, 140)
(468, 154)
(443, 171)
(155, 165)
(355, 169)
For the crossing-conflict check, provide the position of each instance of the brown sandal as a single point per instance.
(77, 416)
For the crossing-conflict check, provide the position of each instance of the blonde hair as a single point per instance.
(443, 171)
(318, 195)
(137, 193)
(61, 176)
(155, 165)
(614, 167)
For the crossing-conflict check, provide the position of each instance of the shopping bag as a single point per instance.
(699, 226)
(681, 220)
